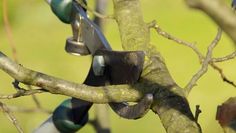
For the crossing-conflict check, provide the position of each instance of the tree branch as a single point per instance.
(28, 110)
(224, 78)
(11, 117)
(163, 33)
(22, 93)
(226, 58)
(219, 12)
(169, 99)
(8, 30)
(199, 54)
(119, 93)
(205, 63)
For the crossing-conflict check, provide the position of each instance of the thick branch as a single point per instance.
(118, 93)
(170, 102)
(133, 31)
(219, 12)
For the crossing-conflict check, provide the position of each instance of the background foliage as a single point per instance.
(40, 39)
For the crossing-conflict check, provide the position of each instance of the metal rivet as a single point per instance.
(98, 65)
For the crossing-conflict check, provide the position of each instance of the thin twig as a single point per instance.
(11, 117)
(28, 110)
(195, 49)
(197, 112)
(35, 99)
(205, 63)
(219, 12)
(225, 79)
(226, 58)
(13, 45)
(94, 12)
(8, 30)
(177, 40)
(22, 93)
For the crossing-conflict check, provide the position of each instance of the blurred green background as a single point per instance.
(40, 39)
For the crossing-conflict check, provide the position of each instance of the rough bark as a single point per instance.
(170, 102)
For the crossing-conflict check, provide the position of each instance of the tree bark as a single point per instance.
(170, 102)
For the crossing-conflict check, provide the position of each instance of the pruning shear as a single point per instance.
(108, 67)
(113, 67)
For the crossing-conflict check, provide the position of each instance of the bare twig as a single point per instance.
(225, 79)
(35, 99)
(11, 117)
(94, 12)
(205, 63)
(22, 93)
(8, 30)
(177, 40)
(28, 110)
(226, 58)
(13, 47)
(197, 112)
(195, 49)
(220, 12)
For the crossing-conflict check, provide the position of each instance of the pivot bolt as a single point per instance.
(98, 65)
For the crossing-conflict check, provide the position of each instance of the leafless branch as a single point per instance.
(115, 93)
(220, 12)
(28, 110)
(226, 58)
(195, 49)
(205, 63)
(13, 45)
(177, 40)
(197, 112)
(35, 99)
(8, 30)
(225, 79)
(11, 117)
(22, 93)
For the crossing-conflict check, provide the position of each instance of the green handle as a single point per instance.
(62, 9)
(64, 117)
